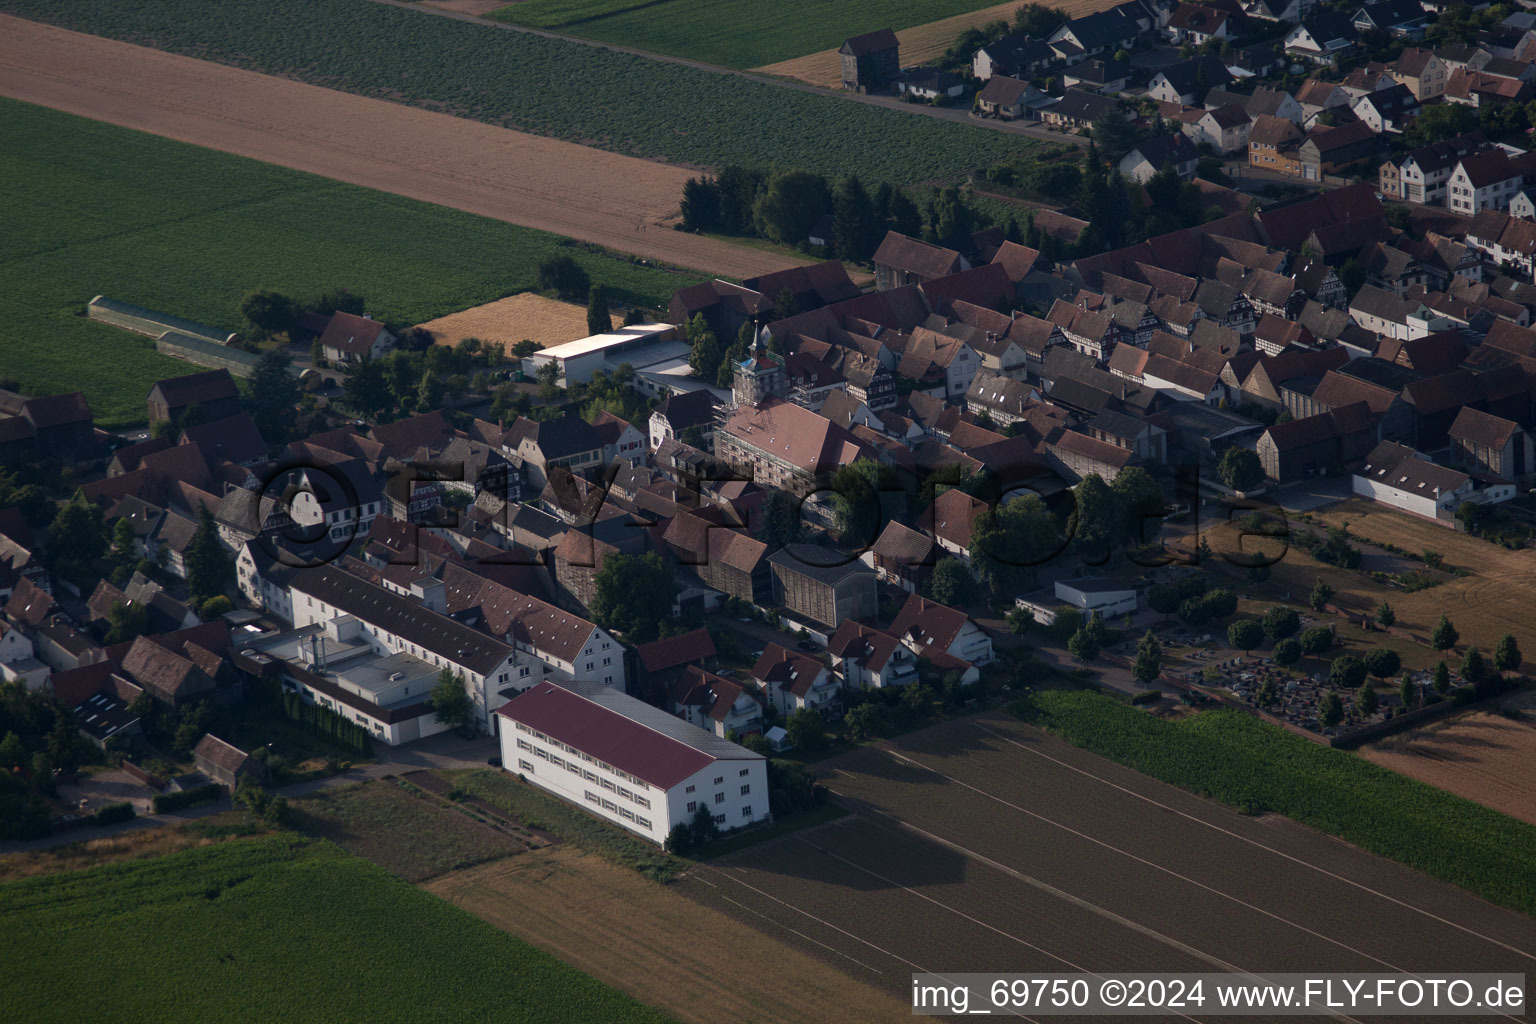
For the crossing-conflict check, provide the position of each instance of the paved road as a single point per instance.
(983, 844)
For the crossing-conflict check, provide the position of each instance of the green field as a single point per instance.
(554, 87)
(92, 209)
(1257, 767)
(736, 33)
(275, 929)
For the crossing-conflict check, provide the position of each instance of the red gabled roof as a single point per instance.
(624, 742)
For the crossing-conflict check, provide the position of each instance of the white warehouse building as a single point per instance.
(628, 762)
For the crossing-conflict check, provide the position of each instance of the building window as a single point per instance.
(644, 823)
(719, 798)
(746, 810)
(743, 773)
(591, 797)
(745, 790)
(719, 779)
(688, 790)
(693, 805)
(524, 745)
(526, 766)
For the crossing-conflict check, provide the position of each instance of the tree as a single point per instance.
(1084, 645)
(1322, 593)
(1473, 668)
(856, 231)
(429, 392)
(904, 216)
(1141, 501)
(952, 583)
(126, 621)
(634, 595)
(791, 205)
(525, 348)
(549, 380)
(450, 702)
(1149, 660)
(214, 607)
(367, 390)
(1385, 615)
(865, 496)
(1245, 634)
(864, 721)
(1382, 662)
(1009, 542)
(1441, 678)
(951, 221)
(1366, 700)
(1330, 710)
(704, 355)
(599, 320)
(209, 569)
(1347, 672)
(1281, 622)
(1506, 656)
(1100, 521)
(704, 827)
(562, 275)
(1114, 134)
(806, 729)
(779, 520)
(680, 840)
(77, 535)
(1020, 619)
(272, 394)
(1405, 691)
(1240, 469)
(1287, 652)
(268, 312)
(338, 300)
(1444, 635)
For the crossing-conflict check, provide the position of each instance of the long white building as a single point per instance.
(628, 762)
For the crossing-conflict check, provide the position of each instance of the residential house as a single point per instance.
(1396, 475)
(225, 763)
(929, 628)
(691, 415)
(1420, 176)
(1387, 110)
(1394, 17)
(1077, 108)
(901, 556)
(918, 85)
(1480, 89)
(719, 705)
(1016, 56)
(1186, 83)
(1149, 157)
(1322, 38)
(569, 443)
(1224, 129)
(1274, 144)
(1316, 96)
(1330, 150)
(349, 338)
(1198, 24)
(1422, 72)
(1105, 76)
(1484, 181)
(1006, 98)
(1507, 241)
(791, 681)
(870, 658)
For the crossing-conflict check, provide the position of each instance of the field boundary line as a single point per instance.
(1252, 842)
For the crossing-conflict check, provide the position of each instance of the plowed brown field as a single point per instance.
(919, 44)
(1483, 757)
(615, 201)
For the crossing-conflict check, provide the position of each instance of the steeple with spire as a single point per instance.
(760, 376)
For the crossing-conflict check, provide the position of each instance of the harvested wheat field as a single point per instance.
(526, 315)
(615, 201)
(644, 939)
(919, 44)
(1482, 756)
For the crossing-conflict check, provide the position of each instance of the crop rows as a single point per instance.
(92, 209)
(735, 33)
(1257, 767)
(274, 929)
(554, 87)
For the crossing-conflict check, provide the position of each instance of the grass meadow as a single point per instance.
(735, 33)
(273, 929)
(1257, 768)
(92, 209)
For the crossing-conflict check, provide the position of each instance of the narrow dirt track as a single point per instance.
(615, 201)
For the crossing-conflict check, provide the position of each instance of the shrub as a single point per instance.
(167, 802)
(111, 814)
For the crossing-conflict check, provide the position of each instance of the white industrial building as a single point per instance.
(581, 358)
(628, 762)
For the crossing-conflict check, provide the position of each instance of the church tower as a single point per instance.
(760, 376)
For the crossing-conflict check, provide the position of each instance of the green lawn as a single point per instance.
(92, 209)
(736, 33)
(548, 86)
(273, 929)
(1257, 767)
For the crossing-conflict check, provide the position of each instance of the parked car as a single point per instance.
(807, 645)
(494, 762)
